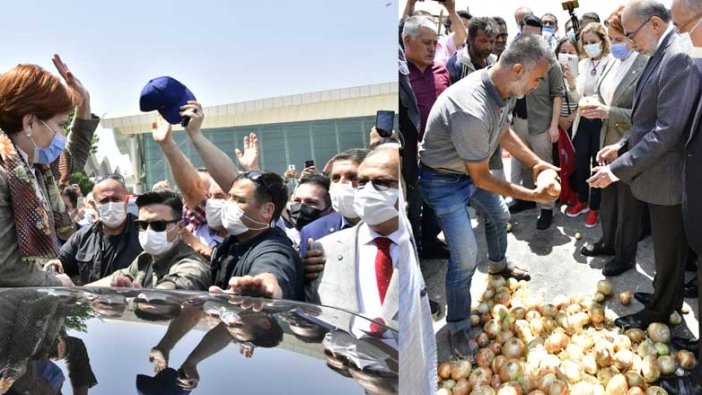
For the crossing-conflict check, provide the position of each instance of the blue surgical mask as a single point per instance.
(548, 31)
(50, 153)
(620, 51)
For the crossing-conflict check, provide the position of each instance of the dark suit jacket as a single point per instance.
(409, 124)
(319, 228)
(692, 193)
(666, 94)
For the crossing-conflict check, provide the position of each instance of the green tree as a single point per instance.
(86, 186)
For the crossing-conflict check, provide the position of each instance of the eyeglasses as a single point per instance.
(113, 176)
(157, 226)
(48, 127)
(630, 36)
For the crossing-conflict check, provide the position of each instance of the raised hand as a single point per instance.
(249, 160)
(193, 110)
(74, 83)
(161, 131)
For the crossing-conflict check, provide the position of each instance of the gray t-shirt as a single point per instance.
(465, 124)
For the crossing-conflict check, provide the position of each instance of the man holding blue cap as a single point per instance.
(167, 95)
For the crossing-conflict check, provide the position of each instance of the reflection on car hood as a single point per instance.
(145, 341)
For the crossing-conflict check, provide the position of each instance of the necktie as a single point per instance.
(383, 266)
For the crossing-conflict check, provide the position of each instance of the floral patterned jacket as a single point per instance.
(13, 272)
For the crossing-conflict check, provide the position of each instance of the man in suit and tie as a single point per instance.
(361, 274)
(687, 18)
(665, 95)
(620, 211)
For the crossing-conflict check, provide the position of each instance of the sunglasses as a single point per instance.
(258, 178)
(157, 226)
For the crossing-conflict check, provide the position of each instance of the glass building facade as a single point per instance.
(281, 144)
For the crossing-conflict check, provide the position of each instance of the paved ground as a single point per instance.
(556, 266)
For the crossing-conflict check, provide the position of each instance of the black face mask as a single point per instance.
(302, 214)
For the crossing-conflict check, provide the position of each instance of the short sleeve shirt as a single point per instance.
(465, 124)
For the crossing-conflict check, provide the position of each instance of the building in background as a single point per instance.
(291, 130)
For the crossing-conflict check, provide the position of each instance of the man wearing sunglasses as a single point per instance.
(167, 262)
(108, 245)
(257, 258)
(361, 274)
(667, 90)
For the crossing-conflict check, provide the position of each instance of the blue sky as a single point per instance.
(224, 51)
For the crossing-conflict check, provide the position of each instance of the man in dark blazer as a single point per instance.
(665, 95)
(620, 212)
(687, 17)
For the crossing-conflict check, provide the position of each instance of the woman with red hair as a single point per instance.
(35, 161)
(620, 211)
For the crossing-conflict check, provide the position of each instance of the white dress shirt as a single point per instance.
(368, 295)
(585, 81)
(614, 77)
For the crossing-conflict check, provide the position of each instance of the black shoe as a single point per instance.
(691, 288)
(595, 249)
(435, 308)
(684, 385)
(545, 219)
(643, 297)
(614, 268)
(635, 320)
(520, 205)
(690, 345)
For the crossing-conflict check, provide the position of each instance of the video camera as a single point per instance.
(570, 6)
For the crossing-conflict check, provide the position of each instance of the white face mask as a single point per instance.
(213, 212)
(342, 197)
(686, 40)
(374, 206)
(112, 214)
(231, 219)
(593, 50)
(155, 243)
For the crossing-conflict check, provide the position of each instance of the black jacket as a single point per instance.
(270, 252)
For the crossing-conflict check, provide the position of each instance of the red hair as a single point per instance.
(615, 20)
(29, 89)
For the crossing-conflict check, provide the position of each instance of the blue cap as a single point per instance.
(164, 383)
(166, 95)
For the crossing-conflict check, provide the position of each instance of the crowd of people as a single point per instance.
(609, 104)
(230, 227)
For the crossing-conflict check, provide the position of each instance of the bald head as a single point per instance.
(383, 160)
(520, 13)
(109, 190)
(645, 22)
(686, 16)
(643, 10)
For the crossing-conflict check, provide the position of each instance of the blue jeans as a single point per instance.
(450, 195)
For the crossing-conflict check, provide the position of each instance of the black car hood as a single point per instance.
(113, 341)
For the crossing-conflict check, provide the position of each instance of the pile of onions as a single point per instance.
(568, 346)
